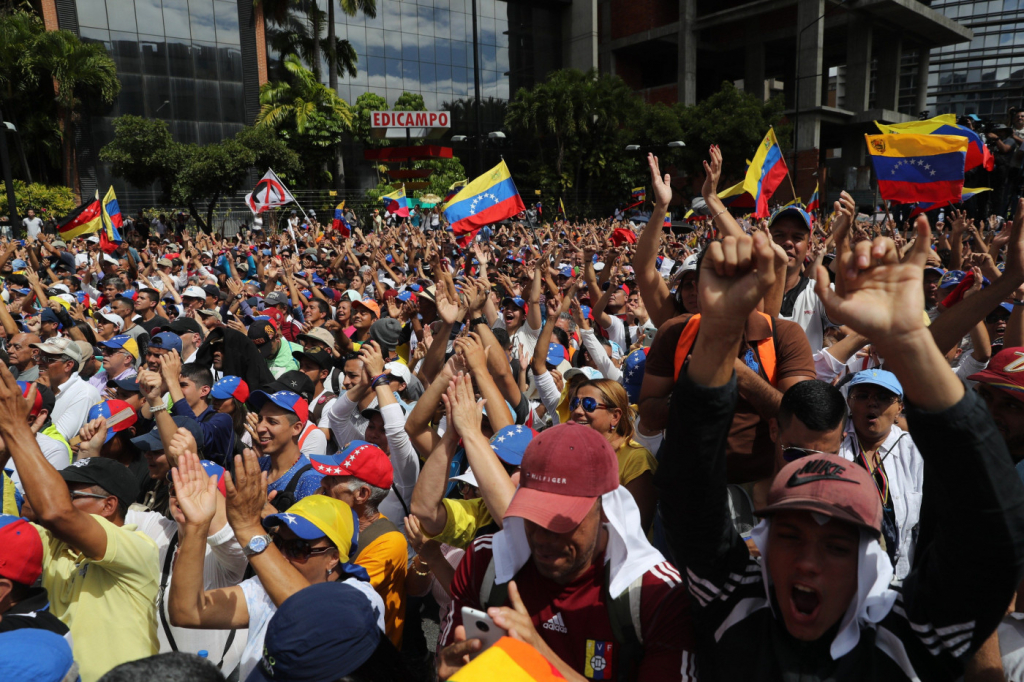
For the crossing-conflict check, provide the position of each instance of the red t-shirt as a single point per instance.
(573, 619)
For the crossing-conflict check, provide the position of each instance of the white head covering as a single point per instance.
(628, 551)
(874, 599)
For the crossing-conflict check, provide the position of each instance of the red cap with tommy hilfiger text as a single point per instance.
(565, 469)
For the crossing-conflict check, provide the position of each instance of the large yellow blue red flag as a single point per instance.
(765, 173)
(912, 168)
(396, 203)
(978, 153)
(487, 199)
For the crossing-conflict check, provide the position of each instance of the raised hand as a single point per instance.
(246, 495)
(465, 412)
(472, 349)
(91, 437)
(883, 298)
(660, 184)
(736, 274)
(373, 361)
(194, 491)
(712, 172)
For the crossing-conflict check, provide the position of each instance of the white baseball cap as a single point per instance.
(399, 370)
(194, 292)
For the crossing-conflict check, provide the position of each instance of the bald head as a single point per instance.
(21, 352)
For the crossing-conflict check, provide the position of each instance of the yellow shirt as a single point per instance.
(109, 604)
(465, 518)
(634, 460)
(386, 559)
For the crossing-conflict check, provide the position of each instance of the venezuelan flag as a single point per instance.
(508, 660)
(454, 189)
(668, 220)
(110, 237)
(396, 203)
(978, 153)
(85, 219)
(765, 173)
(487, 199)
(815, 203)
(736, 197)
(639, 194)
(912, 168)
(967, 194)
(339, 223)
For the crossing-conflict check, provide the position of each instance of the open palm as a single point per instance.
(196, 492)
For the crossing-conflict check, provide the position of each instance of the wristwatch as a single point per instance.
(257, 545)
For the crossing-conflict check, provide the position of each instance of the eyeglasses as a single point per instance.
(298, 549)
(46, 360)
(589, 404)
(996, 318)
(79, 493)
(791, 453)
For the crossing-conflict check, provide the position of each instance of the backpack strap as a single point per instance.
(318, 411)
(492, 594)
(624, 617)
(382, 526)
(685, 344)
(165, 575)
(286, 498)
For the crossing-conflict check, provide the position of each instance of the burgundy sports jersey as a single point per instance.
(573, 619)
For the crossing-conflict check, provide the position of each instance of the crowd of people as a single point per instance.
(297, 455)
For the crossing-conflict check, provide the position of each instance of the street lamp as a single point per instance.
(459, 138)
(674, 144)
(497, 135)
(632, 147)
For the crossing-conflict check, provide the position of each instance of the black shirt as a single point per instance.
(157, 321)
(33, 612)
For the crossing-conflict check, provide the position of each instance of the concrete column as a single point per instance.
(887, 78)
(924, 59)
(582, 46)
(858, 63)
(809, 48)
(687, 83)
(753, 72)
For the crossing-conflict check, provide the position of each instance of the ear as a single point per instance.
(205, 391)
(297, 428)
(109, 508)
(5, 588)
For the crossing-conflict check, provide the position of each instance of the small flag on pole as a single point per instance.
(269, 192)
(110, 236)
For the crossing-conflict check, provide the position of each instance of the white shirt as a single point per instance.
(71, 410)
(404, 462)
(344, 420)
(809, 313)
(315, 441)
(904, 468)
(54, 452)
(33, 225)
(224, 566)
(525, 337)
(262, 609)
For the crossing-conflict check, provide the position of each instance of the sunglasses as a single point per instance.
(791, 453)
(590, 405)
(298, 549)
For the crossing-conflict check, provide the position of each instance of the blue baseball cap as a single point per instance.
(317, 279)
(292, 652)
(49, 316)
(19, 264)
(286, 400)
(586, 312)
(230, 387)
(509, 443)
(35, 654)
(168, 340)
(129, 384)
(556, 354)
(516, 301)
(1008, 307)
(951, 279)
(877, 377)
(123, 342)
(151, 441)
(633, 373)
(939, 271)
(404, 296)
(114, 410)
(565, 271)
(794, 211)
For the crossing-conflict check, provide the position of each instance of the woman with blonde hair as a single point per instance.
(602, 404)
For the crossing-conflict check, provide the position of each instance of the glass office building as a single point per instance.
(985, 76)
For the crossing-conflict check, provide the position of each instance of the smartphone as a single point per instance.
(480, 626)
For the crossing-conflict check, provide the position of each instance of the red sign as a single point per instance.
(410, 119)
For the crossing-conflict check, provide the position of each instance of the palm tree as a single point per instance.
(299, 100)
(349, 7)
(295, 36)
(77, 69)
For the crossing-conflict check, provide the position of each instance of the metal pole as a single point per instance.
(5, 162)
(476, 95)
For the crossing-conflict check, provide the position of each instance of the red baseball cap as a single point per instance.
(1005, 371)
(21, 550)
(829, 485)
(363, 460)
(565, 469)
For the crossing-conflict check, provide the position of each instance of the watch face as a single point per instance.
(258, 544)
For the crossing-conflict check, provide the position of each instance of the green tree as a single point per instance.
(142, 151)
(734, 120)
(306, 113)
(47, 201)
(79, 71)
(361, 130)
(409, 101)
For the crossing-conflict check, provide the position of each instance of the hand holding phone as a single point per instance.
(480, 626)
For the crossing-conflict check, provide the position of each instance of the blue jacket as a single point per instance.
(218, 429)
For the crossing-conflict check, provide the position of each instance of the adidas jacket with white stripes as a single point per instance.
(945, 609)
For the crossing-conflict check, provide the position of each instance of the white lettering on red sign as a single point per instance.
(410, 119)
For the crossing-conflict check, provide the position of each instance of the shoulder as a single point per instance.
(794, 348)
(392, 542)
(661, 357)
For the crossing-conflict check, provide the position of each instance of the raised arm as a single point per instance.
(653, 290)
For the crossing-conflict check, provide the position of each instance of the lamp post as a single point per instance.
(5, 163)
